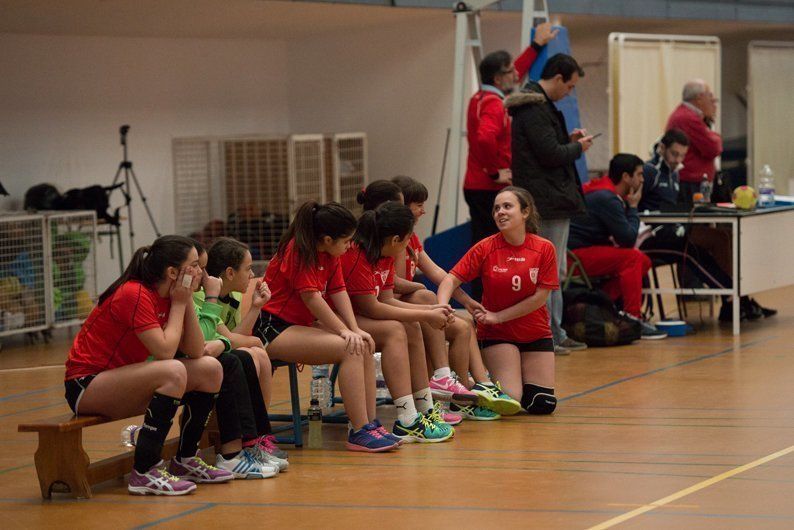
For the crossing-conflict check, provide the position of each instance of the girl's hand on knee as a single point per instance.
(214, 348)
(369, 342)
(437, 318)
(353, 342)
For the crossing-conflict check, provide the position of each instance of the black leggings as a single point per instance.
(241, 409)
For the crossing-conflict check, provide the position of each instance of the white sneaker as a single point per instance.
(245, 465)
(262, 455)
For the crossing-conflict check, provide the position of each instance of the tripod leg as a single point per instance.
(143, 200)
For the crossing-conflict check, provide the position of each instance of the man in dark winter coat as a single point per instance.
(544, 154)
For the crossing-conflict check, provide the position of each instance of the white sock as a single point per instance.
(406, 410)
(423, 400)
(441, 373)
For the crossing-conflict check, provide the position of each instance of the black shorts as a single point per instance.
(269, 326)
(537, 345)
(75, 389)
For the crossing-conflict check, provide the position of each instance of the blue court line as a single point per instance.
(201, 506)
(176, 516)
(28, 393)
(664, 369)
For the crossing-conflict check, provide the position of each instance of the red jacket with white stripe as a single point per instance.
(488, 132)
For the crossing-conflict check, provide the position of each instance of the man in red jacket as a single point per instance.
(695, 116)
(488, 130)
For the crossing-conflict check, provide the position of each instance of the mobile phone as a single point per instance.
(596, 135)
(187, 280)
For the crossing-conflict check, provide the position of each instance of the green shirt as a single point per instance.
(209, 317)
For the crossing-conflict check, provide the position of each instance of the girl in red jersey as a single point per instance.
(149, 311)
(464, 352)
(304, 268)
(518, 270)
(368, 268)
(443, 385)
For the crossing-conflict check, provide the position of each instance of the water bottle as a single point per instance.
(129, 435)
(381, 390)
(321, 385)
(766, 187)
(705, 188)
(315, 415)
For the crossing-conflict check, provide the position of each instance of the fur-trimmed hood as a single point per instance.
(524, 98)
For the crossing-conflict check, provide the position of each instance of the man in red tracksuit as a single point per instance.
(695, 116)
(488, 131)
(604, 238)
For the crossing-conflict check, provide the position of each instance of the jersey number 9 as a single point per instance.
(516, 281)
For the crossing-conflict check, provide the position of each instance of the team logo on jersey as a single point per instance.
(383, 276)
(533, 275)
(516, 258)
(497, 268)
(160, 315)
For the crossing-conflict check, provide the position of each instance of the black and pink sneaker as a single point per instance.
(158, 481)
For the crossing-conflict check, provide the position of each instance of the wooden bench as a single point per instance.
(62, 464)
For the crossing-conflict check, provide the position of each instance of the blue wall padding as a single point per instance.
(569, 106)
(446, 248)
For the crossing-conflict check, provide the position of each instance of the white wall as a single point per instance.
(393, 82)
(62, 100)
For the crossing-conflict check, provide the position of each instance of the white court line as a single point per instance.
(32, 368)
(692, 489)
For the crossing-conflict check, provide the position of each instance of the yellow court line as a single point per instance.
(31, 368)
(692, 489)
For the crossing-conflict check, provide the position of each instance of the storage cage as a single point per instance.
(24, 283)
(246, 187)
(346, 171)
(71, 266)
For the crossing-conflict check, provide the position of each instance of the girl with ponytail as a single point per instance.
(442, 384)
(464, 355)
(297, 325)
(148, 311)
(368, 269)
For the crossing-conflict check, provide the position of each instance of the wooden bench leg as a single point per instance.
(60, 459)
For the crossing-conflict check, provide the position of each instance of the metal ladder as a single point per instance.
(468, 44)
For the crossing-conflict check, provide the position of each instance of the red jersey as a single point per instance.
(109, 339)
(362, 277)
(411, 262)
(509, 275)
(287, 278)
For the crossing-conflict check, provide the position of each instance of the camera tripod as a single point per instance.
(125, 167)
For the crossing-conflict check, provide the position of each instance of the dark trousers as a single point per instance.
(240, 406)
(482, 224)
(669, 248)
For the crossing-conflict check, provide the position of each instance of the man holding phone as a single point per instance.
(544, 156)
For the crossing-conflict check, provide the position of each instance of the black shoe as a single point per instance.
(726, 312)
(766, 312)
(749, 306)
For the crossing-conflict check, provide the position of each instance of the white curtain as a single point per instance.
(771, 127)
(648, 74)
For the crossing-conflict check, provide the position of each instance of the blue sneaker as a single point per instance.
(386, 434)
(368, 440)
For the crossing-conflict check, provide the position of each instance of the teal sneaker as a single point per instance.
(491, 397)
(475, 412)
(422, 430)
(443, 419)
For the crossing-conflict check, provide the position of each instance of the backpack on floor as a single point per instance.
(591, 317)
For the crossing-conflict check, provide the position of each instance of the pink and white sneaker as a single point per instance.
(439, 414)
(450, 389)
(158, 481)
(197, 470)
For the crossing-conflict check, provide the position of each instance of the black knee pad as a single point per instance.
(538, 399)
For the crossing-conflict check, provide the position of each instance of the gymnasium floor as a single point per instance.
(694, 432)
